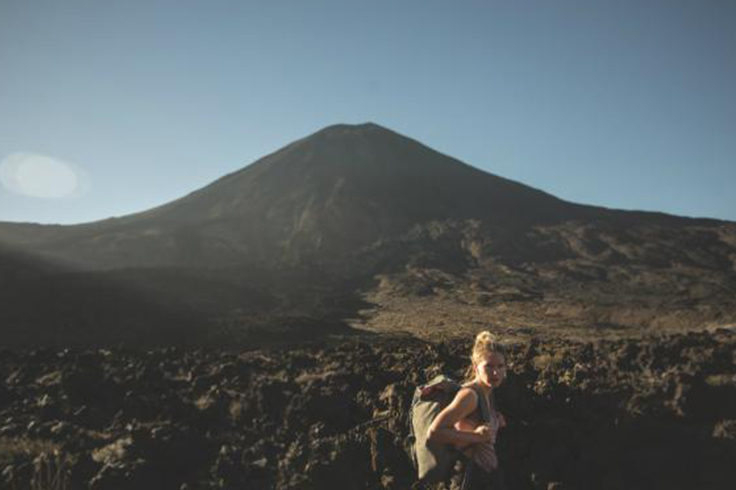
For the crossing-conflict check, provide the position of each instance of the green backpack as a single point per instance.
(433, 461)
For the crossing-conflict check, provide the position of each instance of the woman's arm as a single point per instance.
(442, 429)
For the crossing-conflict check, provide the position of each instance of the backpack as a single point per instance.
(432, 461)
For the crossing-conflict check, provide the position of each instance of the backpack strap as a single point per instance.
(485, 409)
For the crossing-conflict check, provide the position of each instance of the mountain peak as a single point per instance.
(350, 130)
(338, 190)
(366, 126)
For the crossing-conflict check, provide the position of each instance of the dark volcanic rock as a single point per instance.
(630, 414)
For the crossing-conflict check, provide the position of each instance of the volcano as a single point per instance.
(357, 223)
(340, 189)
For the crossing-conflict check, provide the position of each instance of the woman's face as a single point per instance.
(491, 370)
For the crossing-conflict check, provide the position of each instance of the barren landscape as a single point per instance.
(268, 330)
(650, 413)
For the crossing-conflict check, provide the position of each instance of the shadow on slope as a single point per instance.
(45, 304)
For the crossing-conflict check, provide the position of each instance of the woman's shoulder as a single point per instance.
(468, 394)
(465, 401)
(469, 387)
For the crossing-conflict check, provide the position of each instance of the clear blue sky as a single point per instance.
(624, 103)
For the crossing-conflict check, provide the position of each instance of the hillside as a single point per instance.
(360, 225)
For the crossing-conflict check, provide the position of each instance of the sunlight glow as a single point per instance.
(41, 176)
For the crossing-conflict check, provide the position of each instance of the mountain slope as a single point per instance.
(360, 224)
(339, 189)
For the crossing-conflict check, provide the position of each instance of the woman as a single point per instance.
(471, 422)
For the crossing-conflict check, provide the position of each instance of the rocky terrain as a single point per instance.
(268, 330)
(653, 412)
(573, 279)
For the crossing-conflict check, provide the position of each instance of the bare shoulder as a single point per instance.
(462, 405)
(467, 398)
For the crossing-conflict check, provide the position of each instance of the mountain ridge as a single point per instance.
(359, 225)
(315, 187)
(349, 183)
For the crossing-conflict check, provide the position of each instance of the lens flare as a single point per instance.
(41, 176)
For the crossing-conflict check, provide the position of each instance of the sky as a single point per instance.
(110, 108)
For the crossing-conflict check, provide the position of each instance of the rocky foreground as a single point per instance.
(651, 413)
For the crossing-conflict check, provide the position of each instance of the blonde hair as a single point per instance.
(485, 343)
